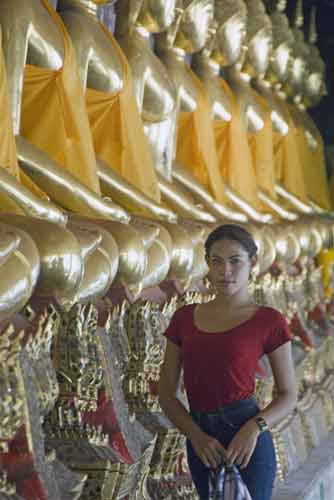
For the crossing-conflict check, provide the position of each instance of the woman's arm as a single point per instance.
(285, 398)
(206, 447)
(243, 444)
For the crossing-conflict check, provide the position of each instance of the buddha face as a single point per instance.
(230, 37)
(314, 83)
(280, 60)
(298, 70)
(230, 32)
(259, 51)
(280, 5)
(156, 15)
(282, 41)
(297, 73)
(194, 24)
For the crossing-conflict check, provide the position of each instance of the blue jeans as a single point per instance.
(223, 424)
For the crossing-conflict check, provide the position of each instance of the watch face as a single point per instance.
(262, 424)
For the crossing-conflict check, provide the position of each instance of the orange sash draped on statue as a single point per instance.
(54, 116)
(234, 155)
(262, 149)
(196, 148)
(314, 166)
(288, 164)
(8, 156)
(8, 153)
(118, 132)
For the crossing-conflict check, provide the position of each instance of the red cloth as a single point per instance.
(106, 417)
(219, 368)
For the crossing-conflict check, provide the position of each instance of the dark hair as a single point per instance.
(232, 232)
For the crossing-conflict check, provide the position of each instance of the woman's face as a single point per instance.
(229, 267)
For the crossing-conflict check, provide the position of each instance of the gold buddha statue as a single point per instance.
(124, 164)
(19, 268)
(20, 196)
(62, 259)
(54, 141)
(308, 137)
(16, 197)
(196, 157)
(222, 49)
(290, 182)
(49, 149)
(314, 89)
(156, 99)
(252, 64)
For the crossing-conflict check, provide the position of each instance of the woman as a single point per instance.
(219, 344)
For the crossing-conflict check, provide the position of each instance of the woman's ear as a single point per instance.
(254, 261)
(254, 266)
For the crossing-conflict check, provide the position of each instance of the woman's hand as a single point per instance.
(208, 449)
(242, 446)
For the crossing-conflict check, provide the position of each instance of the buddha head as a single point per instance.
(314, 84)
(282, 48)
(190, 28)
(228, 31)
(297, 71)
(277, 5)
(258, 38)
(153, 15)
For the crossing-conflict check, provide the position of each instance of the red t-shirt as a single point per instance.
(219, 368)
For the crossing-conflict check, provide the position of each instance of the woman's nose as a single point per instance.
(226, 268)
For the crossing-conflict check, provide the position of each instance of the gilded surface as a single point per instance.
(79, 373)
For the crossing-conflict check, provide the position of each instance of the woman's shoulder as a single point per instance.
(179, 324)
(184, 312)
(271, 314)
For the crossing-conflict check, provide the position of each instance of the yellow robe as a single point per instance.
(8, 156)
(8, 153)
(118, 132)
(262, 150)
(196, 148)
(288, 163)
(234, 154)
(54, 116)
(314, 165)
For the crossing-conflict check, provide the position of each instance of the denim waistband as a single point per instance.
(235, 406)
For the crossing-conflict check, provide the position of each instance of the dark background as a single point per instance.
(323, 114)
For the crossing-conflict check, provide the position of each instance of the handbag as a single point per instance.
(225, 483)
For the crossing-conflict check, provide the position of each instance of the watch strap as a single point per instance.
(262, 424)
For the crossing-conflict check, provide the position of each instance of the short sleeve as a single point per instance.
(277, 332)
(174, 331)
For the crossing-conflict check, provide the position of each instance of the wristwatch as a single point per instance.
(261, 423)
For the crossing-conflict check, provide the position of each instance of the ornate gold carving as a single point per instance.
(6, 487)
(12, 391)
(79, 376)
(38, 348)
